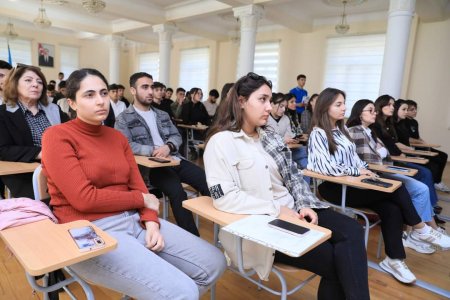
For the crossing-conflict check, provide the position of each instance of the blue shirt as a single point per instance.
(299, 94)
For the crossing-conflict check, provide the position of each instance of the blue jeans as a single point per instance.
(300, 156)
(184, 269)
(424, 175)
(419, 193)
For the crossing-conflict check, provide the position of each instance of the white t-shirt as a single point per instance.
(118, 107)
(150, 118)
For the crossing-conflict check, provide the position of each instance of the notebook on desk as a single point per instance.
(255, 228)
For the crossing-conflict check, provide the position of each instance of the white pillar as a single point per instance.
(397, 37)
(165, 32)
(249, 16)
(114, 58)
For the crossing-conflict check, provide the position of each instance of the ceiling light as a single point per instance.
(343, 27)
(42, 21)
(93, 6)
(9, 32)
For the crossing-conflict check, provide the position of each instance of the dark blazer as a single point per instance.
(192, 113)
(43, 63)
(16, 144)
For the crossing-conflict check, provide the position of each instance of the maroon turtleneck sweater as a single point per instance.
(91, 173)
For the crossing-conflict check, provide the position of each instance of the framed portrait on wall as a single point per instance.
(46, 54)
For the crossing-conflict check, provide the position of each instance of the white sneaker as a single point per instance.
(433, 237)
(418, 246)
(442, 187)
(442, 230)
(398, 269)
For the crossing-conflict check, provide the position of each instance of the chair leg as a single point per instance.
(380, 243)
(213, 292)
(165, 207)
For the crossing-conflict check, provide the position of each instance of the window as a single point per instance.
(149, 63)
(353, 64)
(194, 69)
(266, 62)
(69, 59)
(20, 51)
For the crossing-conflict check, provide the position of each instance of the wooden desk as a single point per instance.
(413, 160)
(204, 207)
(425, 145)
(385, 169)
(11, 167)
(355, 181)
(144, 161)
(420, 152)
(44, 246)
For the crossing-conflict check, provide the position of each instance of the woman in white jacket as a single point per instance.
(249, 171)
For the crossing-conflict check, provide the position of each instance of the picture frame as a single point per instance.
(46, 55)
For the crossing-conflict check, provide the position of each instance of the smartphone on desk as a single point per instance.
(86, 238)
(377, 182)
(395, 168)
(288, 227)
(159, 159)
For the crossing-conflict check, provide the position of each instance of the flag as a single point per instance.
(9, 55)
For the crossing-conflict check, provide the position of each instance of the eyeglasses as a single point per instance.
(255, 76)
(371, 111)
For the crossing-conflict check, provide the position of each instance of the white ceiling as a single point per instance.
(212, 19)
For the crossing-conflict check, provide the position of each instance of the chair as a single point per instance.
(204, 207)
(191, 193)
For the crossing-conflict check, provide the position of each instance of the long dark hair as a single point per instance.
(229, 113)
(309, 106)
(322, 120)
(74, 81)
(397, 105)
(387, 126)
(355, 115)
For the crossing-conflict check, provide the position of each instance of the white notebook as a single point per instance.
(255, 228)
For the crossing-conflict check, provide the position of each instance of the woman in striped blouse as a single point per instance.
(332, 152)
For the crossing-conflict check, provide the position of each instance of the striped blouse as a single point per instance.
(344, 161)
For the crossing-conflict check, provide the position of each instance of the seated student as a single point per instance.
(117, 106)
(307, 114)
(24, 117)
(120, 94)
(169, 93)
(150, 132)
(193, 111)
(279, 122)
(384, 128)
(180, 98)
(291, 112)
(332, 153)
(211, 103)
(92, 175)
(158, 99)
(414, 136)
(372, 150)
(248, 173)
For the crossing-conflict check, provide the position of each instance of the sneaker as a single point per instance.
(433, 237)
(437, 209)
(418, 246)
(398, 269)
(442, 187)
(442, 230)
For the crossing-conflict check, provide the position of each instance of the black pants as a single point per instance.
(394, 210)
(169, 180)
(341, 261)
(20, 185)
(440, 162)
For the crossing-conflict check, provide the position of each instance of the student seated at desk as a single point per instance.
(150, 132)
(332, 153)
(250, 171)
(24, 117)
(372, 150)
(384, 128)
(92, 175)
(193, 111)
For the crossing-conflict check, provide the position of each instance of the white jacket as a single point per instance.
(240, 183)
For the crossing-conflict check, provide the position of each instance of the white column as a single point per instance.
(397, 37)
(165, 32)
(249, 16)
(114, 58)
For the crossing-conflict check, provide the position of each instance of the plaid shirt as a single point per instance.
(37, 123)
(292, 178)
(366, 147)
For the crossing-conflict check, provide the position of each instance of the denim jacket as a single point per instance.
(136, 130)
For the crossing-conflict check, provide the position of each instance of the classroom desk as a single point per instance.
(44, 246)
(190, 133)
(144, 161)
(425, 145)
(355, 181)
(414, 160)
(11, 167)
(385, 169)
(420, 152)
